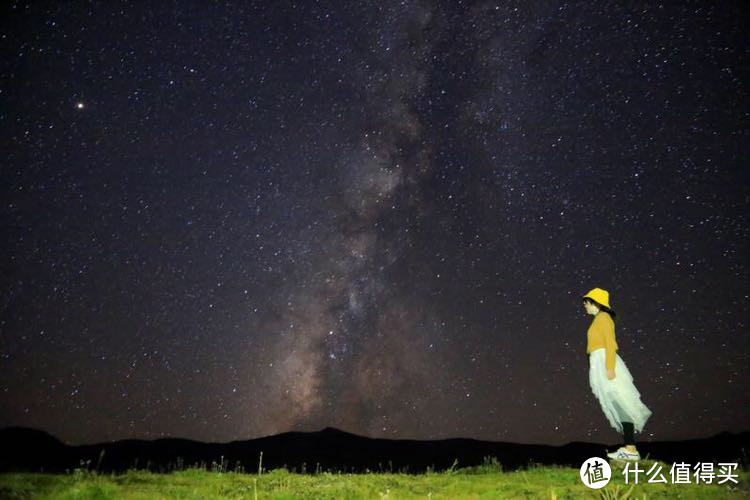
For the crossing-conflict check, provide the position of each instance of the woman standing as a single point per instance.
(609, 377)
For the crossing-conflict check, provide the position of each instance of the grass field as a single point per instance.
(488, 481)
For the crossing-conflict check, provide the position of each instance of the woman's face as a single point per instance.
(590, 308)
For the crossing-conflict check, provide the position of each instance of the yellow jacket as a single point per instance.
(602, 334)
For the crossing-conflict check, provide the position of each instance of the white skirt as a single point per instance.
(620, 400)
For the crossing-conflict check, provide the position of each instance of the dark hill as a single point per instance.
(332, 449)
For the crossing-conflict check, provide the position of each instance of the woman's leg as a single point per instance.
(627, 431)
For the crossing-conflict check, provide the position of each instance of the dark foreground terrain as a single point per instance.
(330, 449)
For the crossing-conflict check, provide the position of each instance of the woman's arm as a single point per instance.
(610, 345)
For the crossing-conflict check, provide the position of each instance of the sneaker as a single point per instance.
(624, 454)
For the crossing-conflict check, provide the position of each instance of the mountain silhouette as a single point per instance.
(332, 449)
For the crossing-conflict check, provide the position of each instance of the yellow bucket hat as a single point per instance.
(599, 296)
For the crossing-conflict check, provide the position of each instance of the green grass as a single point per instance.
(488, 481)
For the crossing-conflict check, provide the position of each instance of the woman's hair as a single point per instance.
(601, 307)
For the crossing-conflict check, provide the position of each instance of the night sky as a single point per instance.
(223, 221)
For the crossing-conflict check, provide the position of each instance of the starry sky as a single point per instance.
(226, 220)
